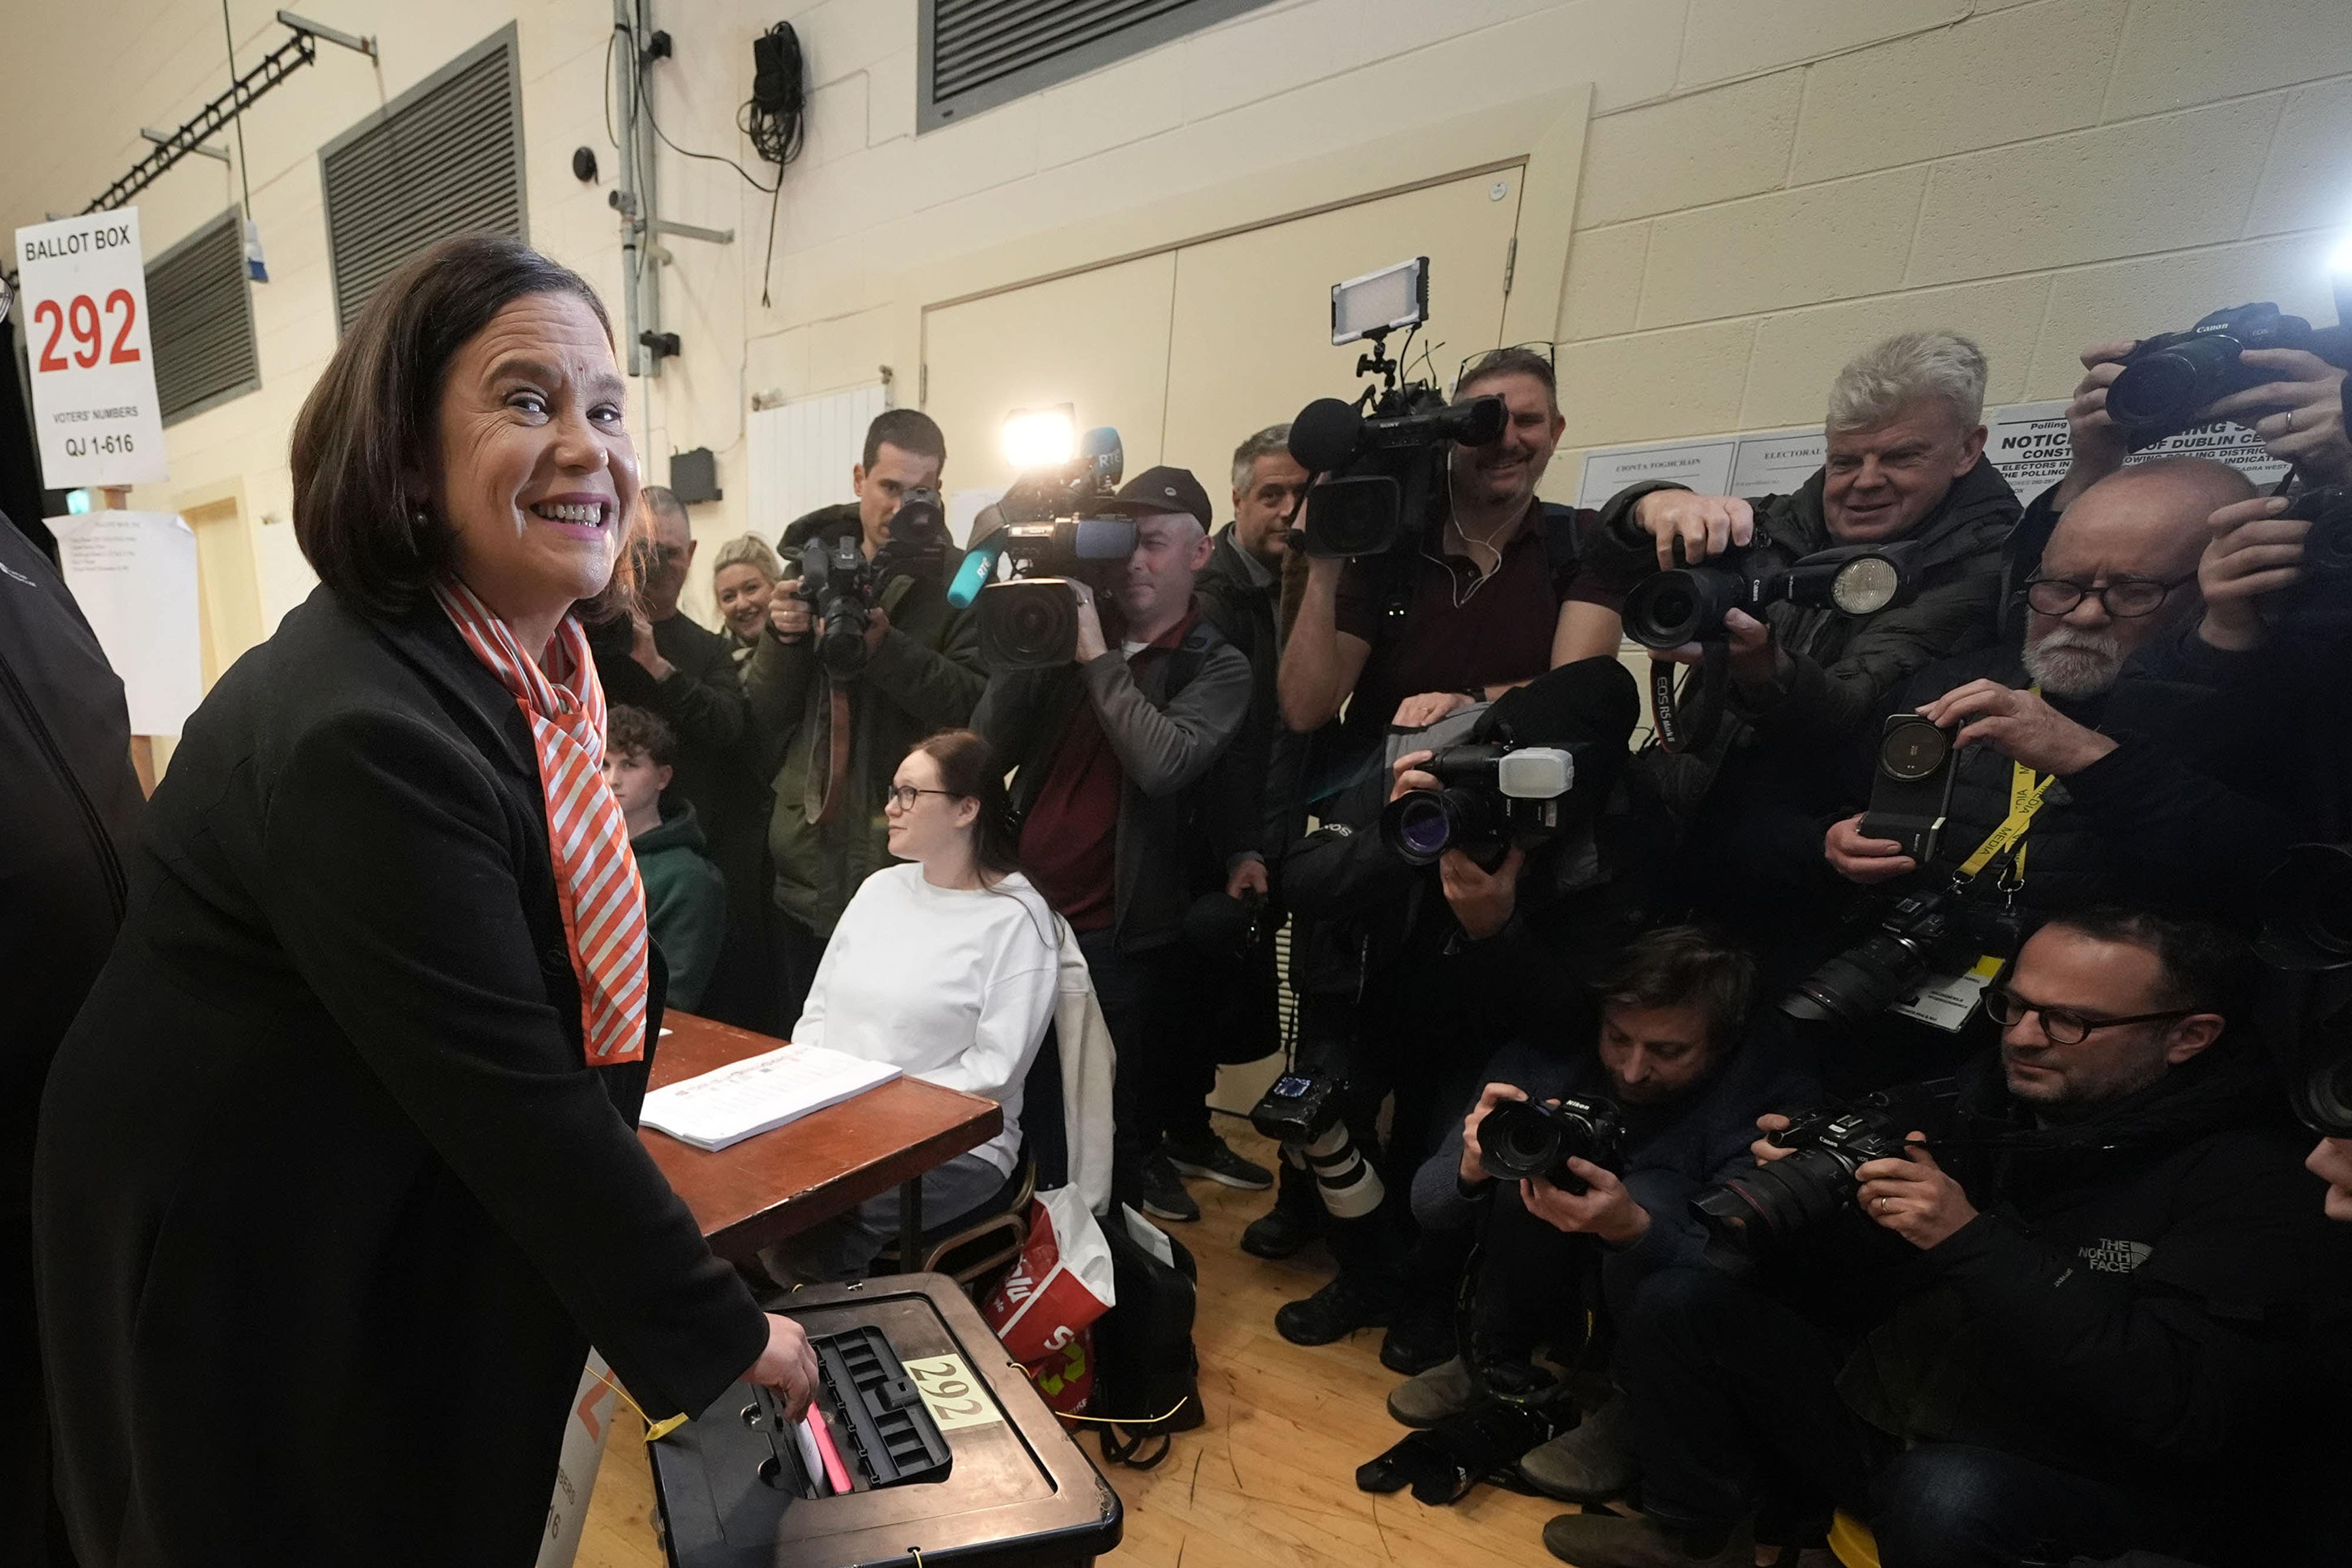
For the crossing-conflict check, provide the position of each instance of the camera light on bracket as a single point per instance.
(1041, 437)
(1866, 585)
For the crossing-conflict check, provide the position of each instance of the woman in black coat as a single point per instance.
(337, 1178)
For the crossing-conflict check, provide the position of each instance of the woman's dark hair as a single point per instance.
(367, 432)
(1686, 965)
(969, 768)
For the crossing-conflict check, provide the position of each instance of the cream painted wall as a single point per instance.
(1767, 185)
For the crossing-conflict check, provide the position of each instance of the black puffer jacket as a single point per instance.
(2134, 1298)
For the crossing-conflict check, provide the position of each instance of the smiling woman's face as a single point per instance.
(536, 470)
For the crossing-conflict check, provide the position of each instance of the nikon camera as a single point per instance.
(1522, 1140)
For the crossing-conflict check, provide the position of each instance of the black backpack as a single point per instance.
(1146, 1373)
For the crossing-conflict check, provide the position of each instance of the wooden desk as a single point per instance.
(781, 1183)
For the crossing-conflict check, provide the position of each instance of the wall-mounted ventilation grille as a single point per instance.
(200, 320)
(977, 54)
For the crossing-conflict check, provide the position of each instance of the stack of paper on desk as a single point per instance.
(759, 1093)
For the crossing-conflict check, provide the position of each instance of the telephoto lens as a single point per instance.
(1867, 978)
(1350, 1187)
(1750, 1216)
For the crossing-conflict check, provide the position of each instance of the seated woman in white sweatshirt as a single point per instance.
(946, 965)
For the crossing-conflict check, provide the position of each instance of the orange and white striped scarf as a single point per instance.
(596, 881)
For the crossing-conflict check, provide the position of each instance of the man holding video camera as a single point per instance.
(1112, 755)
(844, 711)
(1496, 599)
(2056, 1308)
(1663, 1103)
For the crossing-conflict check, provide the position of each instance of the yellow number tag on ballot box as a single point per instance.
(953, 1395)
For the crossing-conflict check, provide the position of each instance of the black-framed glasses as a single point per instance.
(903, 795)
(2063, 1025)
(2124, 599)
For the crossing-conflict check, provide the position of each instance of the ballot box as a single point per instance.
(939, 1451)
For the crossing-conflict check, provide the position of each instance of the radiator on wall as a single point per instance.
(802, 451)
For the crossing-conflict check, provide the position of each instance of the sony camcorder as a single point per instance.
(1379, 459)
(1052, 529)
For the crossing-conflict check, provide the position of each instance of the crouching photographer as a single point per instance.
(1575, 1166)
(2055, 1307)
(1443, 913)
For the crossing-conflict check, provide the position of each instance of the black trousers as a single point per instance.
(1734, 1397)
(1535, 1284)
(1139, 994)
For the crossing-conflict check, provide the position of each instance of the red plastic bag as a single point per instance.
(1061, 1284)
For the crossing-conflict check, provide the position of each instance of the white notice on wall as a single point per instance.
(2030, 445)
(1701, 465)
(84, 288)
(134, 575)
(1776, 461)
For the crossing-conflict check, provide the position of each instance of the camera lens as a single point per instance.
(2166, 388)
(1518, 1141)
(1751, 1213)
(1913, 751)
(2323, 1097)
(1858, 985)
(1684, 605)
(1418, 826)
(2328, 548)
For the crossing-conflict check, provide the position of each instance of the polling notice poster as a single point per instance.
(134, 576)
(82, 284)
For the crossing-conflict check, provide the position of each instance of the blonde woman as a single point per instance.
(743, 580)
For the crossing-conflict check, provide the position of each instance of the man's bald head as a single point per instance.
(2144, 525)
(2148, 520)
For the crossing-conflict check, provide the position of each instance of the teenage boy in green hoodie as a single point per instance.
(685, 898)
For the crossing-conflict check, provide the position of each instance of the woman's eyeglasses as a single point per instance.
(903, 795)
(2125, 599)
(2063, 1025)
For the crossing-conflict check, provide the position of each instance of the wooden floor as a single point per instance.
(1269, 1480)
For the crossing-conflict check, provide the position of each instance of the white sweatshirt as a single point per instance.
(954, 985)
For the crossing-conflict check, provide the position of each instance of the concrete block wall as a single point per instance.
(2042, 175)
(1768, 184)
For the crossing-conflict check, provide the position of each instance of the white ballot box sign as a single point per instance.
(134, 576)
(586, 1428)
(82, 284)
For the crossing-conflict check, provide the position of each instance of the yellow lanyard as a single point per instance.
(2024, 798)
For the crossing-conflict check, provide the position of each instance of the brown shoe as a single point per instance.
(1603, 1541)
(1592, 1462)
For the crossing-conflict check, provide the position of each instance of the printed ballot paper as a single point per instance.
(134, 576)
(758, 1093)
